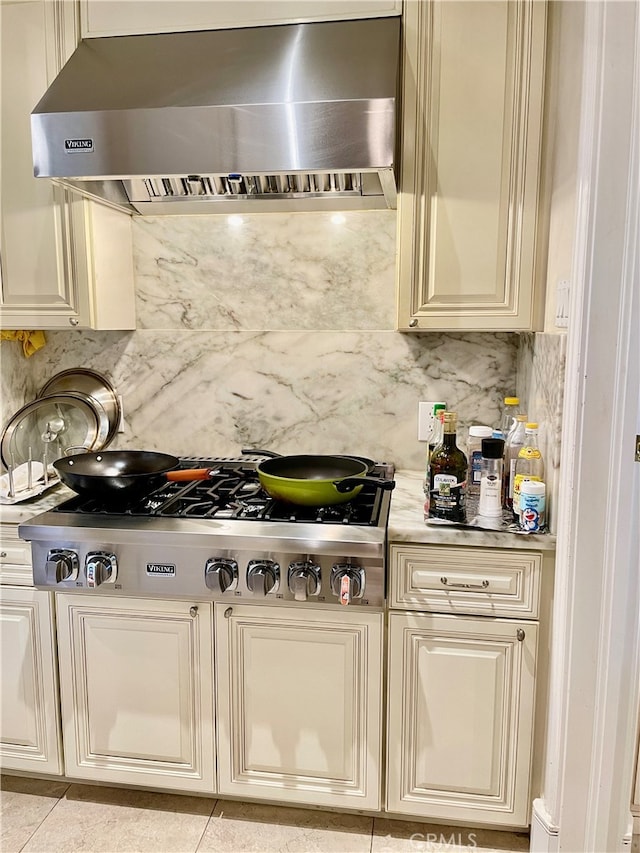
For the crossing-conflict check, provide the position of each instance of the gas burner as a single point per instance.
(233, 491)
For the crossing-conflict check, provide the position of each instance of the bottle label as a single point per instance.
(476, 465)
(447, 497)
(532, 512)
(490, 496)
(529, 453)
(517, 482)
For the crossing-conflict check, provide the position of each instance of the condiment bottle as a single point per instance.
(474, 457)
(532, 505)
(510, 411)
(513, 444)
(490, 503)
(434, 441)
(529, 465)
(448, 475)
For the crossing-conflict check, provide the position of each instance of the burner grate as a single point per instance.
(234, 491)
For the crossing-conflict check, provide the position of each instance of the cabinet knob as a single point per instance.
(520, 634)
(73, 321)
(3, 554)
(193, 611)
(413, 322)
(228, 612)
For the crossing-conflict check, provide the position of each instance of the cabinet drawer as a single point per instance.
(15, 559)
(465, 580)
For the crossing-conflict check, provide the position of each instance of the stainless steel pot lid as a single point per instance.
(58, 425)
(94, 385)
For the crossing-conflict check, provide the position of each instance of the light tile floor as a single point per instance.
(57, 817)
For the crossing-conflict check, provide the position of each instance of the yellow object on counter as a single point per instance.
(32, 341)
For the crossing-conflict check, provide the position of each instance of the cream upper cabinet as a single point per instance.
(29, 717)
(460, 741)
(468, 207)
(130, 17)
(66, 261)
(136, 681)
(299, 704)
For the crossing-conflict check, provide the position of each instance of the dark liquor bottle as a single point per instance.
(448, 475)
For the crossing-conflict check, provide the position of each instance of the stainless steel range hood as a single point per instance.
(291, 117)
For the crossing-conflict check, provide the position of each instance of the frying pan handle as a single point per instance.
(347, 484)
(188, 474)
(269, 453)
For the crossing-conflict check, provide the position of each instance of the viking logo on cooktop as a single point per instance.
(78, 145)
(164, 570)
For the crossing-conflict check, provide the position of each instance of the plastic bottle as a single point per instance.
(437, 431)
(513, 444)
(529, 465)
(510, 411)
(490, 503)
(448, 476)
(532, 505)
(434, 441)
(474, 457)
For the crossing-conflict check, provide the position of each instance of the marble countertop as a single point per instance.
(19, 512)
(406, 523)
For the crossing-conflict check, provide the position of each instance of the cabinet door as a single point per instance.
(35, 224)
(30, 720)
(65, 261)
(299, 705)
(128, 17)
(468, 206)
(460, 711)
(136, 686)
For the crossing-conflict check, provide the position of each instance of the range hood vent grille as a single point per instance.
(287, 117)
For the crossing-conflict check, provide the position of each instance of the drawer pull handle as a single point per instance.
(446, 582)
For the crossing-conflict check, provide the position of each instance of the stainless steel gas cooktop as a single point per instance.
(221, 539)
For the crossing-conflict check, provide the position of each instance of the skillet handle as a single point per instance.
(269, 453)
(348, 484)
(187, 474)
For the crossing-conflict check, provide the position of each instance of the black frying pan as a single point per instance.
(121, 474)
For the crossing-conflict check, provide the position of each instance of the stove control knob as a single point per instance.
(304, 579)
(221, 574)
(100, 567)
(347, 582)
(263, 576)
(61, 565)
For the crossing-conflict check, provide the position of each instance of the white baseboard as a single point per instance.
(544, 833)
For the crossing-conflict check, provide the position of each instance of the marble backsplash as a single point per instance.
(278, 332)
(541, 374)
(316, 271)
(292, 391)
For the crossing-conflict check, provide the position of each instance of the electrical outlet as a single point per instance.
(425, 419)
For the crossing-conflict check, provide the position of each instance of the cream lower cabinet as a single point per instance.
(136, 683)
(29, 717)
(299, 696)
(66, 262)
(461, 700)
(469, 195)
(466, 682)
